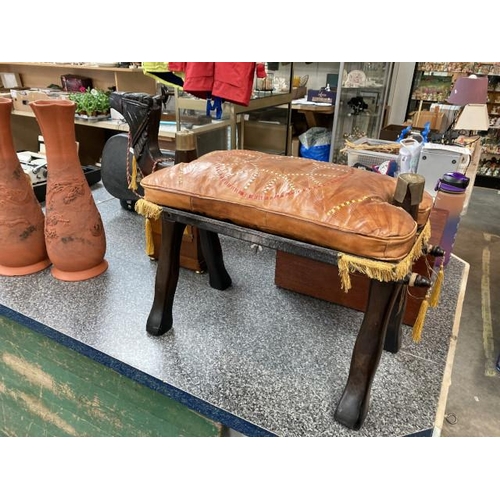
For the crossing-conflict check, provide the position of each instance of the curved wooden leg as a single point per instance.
(394, 328)
(354, 404)
(212, 251)
(167, 274)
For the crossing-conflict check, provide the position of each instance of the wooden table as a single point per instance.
(314, 114)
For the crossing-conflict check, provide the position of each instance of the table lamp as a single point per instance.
(472, 93)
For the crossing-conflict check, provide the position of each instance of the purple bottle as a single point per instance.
(449, 201)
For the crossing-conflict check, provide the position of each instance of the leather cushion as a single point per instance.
(329, 205)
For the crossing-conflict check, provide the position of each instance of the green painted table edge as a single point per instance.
(48, 389)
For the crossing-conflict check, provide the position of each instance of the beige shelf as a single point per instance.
(42, 75)
(121, 126)
(73, 66)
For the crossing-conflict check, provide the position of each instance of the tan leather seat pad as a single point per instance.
(329, 205)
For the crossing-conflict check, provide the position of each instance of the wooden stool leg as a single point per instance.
(394, 328)
(167, 274)
(408, 195)
(354, 404)
(212, 251)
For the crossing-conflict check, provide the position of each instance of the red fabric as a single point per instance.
(261, 70)
(231, 81)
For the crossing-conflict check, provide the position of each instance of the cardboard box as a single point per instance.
(323, 96)
(436, 119)
(22, 98)
(265, 136)
(391, 132)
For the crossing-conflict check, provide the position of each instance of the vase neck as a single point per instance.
(7, 149)
(57, 126)
(60, 143)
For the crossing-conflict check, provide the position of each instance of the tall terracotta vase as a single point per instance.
(74, 232)
(22, 242)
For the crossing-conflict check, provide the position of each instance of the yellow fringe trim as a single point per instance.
(150, 245)
(150, 211)
(147, 209)
(379, 270)
(431, 300)
(419, 322)
(436, 289)
(133, 179)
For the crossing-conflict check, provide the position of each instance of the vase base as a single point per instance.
(86, 274)
(24, 270)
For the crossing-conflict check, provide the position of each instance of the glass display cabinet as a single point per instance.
(360, 104)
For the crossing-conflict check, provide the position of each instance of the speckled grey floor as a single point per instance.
(270, 357)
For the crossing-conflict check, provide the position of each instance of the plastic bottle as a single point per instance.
(409, 153)
(404, 160)
(449, 202)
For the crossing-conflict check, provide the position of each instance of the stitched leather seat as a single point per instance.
(334, 206)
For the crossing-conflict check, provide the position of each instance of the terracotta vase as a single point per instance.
(22, 247)
(74, 232)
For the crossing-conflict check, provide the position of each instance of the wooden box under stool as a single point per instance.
(322, 281)
(191, 255)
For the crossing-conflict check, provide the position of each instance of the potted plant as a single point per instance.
(91, 104)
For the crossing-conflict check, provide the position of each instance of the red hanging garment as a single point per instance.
(230, 81)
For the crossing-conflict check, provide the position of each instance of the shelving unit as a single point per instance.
(494, 101)
(92, 135)
(272, 136)
(103, 77)
(368, 82)
(428, 88)
(434, 75)
(488, 172)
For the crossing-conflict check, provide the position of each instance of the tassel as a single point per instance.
(419, 322)
(133, 179)
(147, 209)
(436, 289)
(151, 212)
(150, 246)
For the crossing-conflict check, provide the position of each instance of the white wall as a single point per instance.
(316, 71)
(399, 92)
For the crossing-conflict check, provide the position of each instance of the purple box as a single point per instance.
(323, 96)
(75, 83)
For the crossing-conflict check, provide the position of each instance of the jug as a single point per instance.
(409, 153)
(449, 203)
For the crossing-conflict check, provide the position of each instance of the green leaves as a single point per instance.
(91, 102)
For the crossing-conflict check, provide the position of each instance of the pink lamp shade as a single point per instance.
(469, 90)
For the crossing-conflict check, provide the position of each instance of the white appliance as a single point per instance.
(438, 159)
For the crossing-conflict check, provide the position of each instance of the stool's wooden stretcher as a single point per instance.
(385, 253)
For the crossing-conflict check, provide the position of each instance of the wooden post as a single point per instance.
(185, 151)
(408, 195)
(379, 315)
(167, 274)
